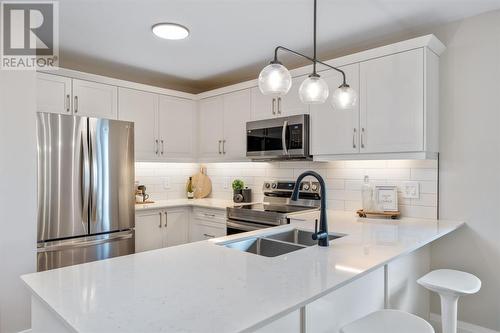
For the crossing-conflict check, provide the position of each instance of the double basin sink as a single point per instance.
(274, 245)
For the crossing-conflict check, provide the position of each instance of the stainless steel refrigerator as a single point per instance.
(85, 189)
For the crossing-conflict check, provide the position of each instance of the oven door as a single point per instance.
(234, 227)
(286, 137)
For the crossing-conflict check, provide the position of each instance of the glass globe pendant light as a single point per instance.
(275, 79)
(313, 90)
(344, 98)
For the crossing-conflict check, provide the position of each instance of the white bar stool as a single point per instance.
(450, 285)
(388, 321)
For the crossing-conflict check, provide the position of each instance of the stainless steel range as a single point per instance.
(276, 208)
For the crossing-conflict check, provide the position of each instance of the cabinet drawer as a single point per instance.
(203, 231)
(212, 215)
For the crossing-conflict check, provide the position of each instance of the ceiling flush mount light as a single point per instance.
(172, 31)
(275, 79)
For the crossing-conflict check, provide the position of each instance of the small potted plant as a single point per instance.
(238, 185)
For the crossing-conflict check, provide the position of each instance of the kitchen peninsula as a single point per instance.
(208, 287)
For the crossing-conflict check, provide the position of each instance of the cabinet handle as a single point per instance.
(209, 215)
(75, 107)
(157, 147)
(162, 147)
(166, 219)
(362, 137)
(354, 139)
(274, 106)
(220, 141)
(160, 221)
(209, 236)
(224, 147)
(68, 102)
(279, 105)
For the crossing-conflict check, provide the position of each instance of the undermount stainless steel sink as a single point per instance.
(263, 246)
(276, 244)
(298, 236)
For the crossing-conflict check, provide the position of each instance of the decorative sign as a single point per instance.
(386, 198)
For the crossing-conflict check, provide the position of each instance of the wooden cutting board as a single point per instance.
(202, 184)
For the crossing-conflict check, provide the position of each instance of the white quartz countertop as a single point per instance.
(203, 203)
(205, 287)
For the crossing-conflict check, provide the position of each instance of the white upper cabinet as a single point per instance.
(94, 99)
(290, 104)
(53, 94)
(164, 125)
(211, 127)
(336, 131)
(236, 114)
(141, 108)
(222, 123)
(263, 107)
(177, 121)
(392, 103)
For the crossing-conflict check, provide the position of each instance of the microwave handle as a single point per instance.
(283, 137)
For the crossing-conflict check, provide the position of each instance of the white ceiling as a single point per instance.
(231, 39)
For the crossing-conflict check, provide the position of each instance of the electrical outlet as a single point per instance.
(227, 180)
(166, 183)
(411, 190)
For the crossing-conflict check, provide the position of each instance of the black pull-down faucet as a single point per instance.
(320, 235)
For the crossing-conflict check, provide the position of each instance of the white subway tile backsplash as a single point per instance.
(424, 174)
(343, 180)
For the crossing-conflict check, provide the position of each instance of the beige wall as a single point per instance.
(470, 160)
(17, 196)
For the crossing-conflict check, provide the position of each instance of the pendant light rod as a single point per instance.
(314, 61)
(314, 40)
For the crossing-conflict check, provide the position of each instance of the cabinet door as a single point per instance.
(53, 93)
(149, 231)
(336, 131)
(177, 222)
(290, 104)
(236, 114)
(392, 103)
(263, 107)
(141, 108)
(176, 122)
(95, 99)
(211, 127)
(203, 230)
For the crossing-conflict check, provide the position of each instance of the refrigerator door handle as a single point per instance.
(70, 244)
(93, 173)
(85, 179)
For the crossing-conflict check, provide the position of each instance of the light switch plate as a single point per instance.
(411, 190)
(166, 183)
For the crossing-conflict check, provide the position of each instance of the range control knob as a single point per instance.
(274, 185)
(306, 187)
(267, 185)
(314, 187)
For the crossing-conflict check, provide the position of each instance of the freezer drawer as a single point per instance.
(85, 249)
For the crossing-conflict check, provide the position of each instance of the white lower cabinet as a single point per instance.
(156, 229)
(207, 224)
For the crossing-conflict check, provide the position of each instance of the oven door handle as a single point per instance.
(241, 226)
(283, 137)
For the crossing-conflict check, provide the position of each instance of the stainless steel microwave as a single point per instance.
(279, 138)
